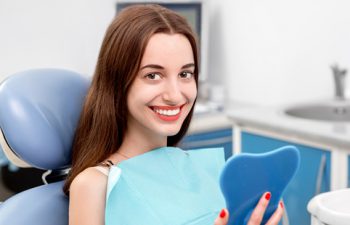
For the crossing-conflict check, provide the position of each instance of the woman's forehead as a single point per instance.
(168, 48)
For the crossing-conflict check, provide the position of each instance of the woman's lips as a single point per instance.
(167, 113)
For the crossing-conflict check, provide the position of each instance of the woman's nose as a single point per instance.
(172, 92)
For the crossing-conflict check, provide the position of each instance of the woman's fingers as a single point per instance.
(222, 219)
(258, 212)
(277, 215)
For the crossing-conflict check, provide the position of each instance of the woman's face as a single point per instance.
(164, 90)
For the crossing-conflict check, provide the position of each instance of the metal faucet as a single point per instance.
(339, 79)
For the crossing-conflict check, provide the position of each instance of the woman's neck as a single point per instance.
(135, 143)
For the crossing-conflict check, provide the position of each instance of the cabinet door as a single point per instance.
(218, 138)
(312, 177)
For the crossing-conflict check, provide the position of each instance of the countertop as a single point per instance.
(210, 121)
(208, 117)
(273, 119)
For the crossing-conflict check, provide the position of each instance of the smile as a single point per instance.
(167, 113)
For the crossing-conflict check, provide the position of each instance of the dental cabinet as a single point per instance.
(313, 176)
(324, 148)
(211, 139)
(209, 130)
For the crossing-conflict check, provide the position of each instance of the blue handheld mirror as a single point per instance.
(247, 176)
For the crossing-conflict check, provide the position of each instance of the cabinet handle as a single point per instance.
(320, 174)
(201, 143)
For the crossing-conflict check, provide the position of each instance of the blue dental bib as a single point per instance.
(166, 186)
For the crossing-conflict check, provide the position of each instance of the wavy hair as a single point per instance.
(103, 123)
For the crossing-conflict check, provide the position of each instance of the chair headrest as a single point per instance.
(39, 111)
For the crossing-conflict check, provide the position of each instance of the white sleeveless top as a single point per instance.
(103, 169)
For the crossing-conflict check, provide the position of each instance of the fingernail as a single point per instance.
(281, 204)
(222, 213)
(268, 196)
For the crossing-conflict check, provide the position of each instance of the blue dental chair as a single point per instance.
(39, 111)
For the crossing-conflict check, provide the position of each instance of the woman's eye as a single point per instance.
(186, 75)
(153, 76)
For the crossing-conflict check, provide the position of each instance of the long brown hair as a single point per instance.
(102, 124)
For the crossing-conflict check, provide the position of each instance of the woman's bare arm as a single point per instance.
(87, 198)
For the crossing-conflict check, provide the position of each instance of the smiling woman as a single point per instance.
(125, 168)
(164, 90)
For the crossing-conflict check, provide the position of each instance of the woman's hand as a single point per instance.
(222, 219)
(257, 214)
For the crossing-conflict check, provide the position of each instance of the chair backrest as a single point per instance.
(39, 111)
(3, 159)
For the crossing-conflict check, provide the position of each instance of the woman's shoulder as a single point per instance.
(91, 179)
(87, 196)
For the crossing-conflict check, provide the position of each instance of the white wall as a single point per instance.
(277, 52)
(51, 33)
(263, 51)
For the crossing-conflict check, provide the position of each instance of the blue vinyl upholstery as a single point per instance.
(39, 111)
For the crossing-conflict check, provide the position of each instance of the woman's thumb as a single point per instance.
(222, 219)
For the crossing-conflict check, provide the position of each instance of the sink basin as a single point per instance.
(335, 111)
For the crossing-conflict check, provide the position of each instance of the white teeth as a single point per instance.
(167, 112)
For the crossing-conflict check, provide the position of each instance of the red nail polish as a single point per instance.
(222, 213)
(268, 196)
(282, 206)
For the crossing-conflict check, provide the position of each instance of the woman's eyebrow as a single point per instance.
(153, 66)
(156, 66)
(188, 66)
